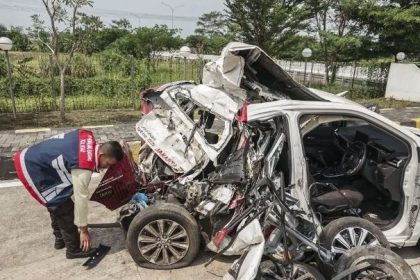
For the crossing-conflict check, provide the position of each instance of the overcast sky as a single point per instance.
(139, 12)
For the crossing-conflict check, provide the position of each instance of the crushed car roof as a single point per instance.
(239, 62)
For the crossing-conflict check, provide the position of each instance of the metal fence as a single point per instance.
(105, 81)
(363, 79)
(109, 80)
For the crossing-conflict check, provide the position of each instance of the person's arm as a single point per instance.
(81, 179)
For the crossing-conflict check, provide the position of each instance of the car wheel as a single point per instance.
(345, 233)
(381, 263)
(271, 270)
(163, 236)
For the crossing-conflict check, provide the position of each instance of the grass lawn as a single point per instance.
(383, 102)
(78, 118)
(75, 118)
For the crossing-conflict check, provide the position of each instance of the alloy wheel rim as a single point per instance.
(351, 237)
(298, 273)
(163, 242)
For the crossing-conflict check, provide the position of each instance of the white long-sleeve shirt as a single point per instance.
(81, 179)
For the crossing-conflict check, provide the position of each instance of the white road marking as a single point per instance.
(386, 110)
(10, 184)
(97, 126)
(33, 130)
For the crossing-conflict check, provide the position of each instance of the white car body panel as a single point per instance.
(222, 95)
(169, 141)
(401, 234)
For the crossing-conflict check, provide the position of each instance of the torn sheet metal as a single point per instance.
(214, 100)
(238, 60)
(250, 235)
(212, 150)
(167, 136)
(246, 267)
(227, 71)
(223, 193)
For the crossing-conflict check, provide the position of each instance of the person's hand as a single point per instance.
(85, 241)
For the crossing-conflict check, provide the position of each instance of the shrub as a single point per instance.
(81, 67)
(3, 68)
(111, 61)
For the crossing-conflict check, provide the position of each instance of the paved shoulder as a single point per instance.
(12, 141)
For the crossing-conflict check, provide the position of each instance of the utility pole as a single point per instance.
(172, 8)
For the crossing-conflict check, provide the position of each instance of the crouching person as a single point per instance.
(56, 172)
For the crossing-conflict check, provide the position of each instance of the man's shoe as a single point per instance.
(59, 243)
(80, 254)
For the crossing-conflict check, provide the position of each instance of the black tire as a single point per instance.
(381, 260)
(327, 237)
(303, 269)
(169, 213)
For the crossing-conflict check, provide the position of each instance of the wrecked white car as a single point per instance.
(253, 161)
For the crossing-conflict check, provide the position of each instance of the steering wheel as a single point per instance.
(354, 158)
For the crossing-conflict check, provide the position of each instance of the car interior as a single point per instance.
(355, 168)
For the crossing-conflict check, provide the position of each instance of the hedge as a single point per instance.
(74, 86)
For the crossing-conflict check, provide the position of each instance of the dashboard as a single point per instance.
(385, 157)
(381, 146)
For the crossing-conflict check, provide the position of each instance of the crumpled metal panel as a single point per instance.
(167, 136)
(238, 60)
(212, 150)
(216, 101)
(227, 71)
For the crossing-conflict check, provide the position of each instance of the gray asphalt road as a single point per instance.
(27, 252)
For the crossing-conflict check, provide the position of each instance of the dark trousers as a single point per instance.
(62, 222)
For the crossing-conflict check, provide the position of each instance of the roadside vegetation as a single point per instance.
(74, 61)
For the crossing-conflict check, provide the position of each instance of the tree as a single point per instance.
(38, 34)
(212, 24)
(108, 35)
(20, 40)
(207, 45)
(393, 26)
(144, 41)
(270, 24)
(3, 30)
(90, 29)
(62, 14)
(339, 34)
(123, 24)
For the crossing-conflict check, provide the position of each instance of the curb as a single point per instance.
(412, 123)
(392, 109)
(47, 129)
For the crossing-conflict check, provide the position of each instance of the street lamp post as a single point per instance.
(172, 8)
(306, 53)
(400, 56)
(185, 52)
(6, 45)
